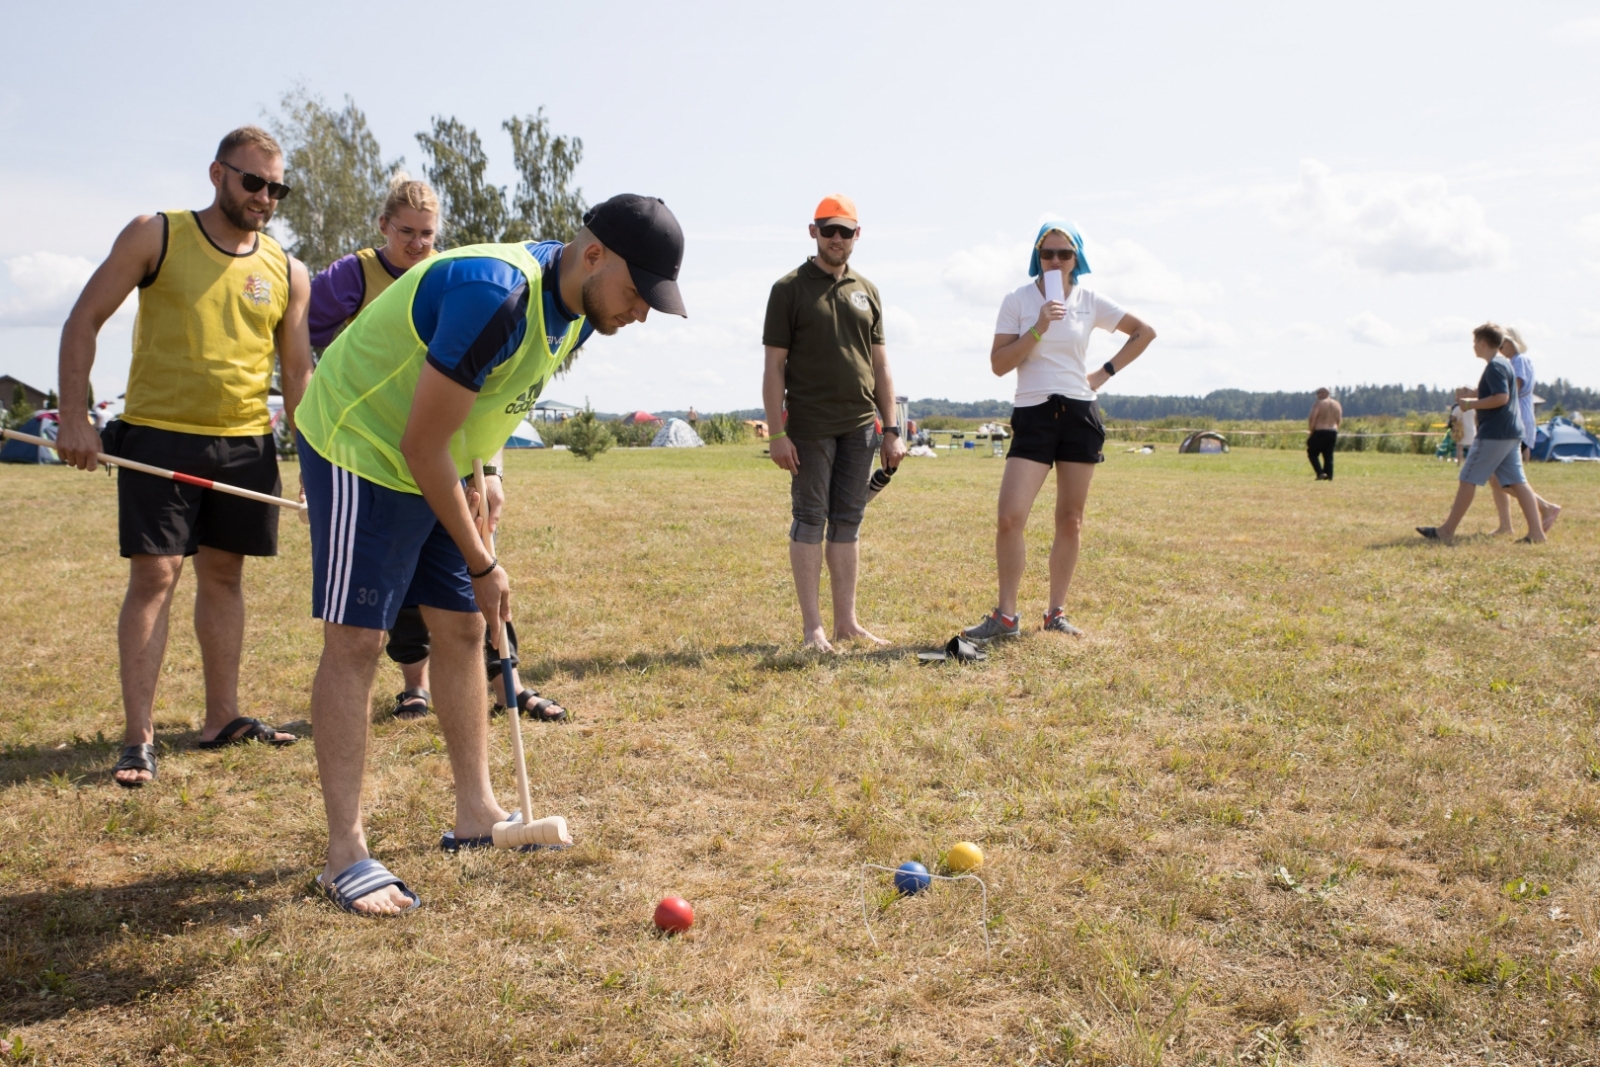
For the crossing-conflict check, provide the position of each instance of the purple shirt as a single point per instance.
(336, 294)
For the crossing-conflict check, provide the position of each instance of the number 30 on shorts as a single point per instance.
(368, 596)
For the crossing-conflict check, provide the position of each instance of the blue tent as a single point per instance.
(21, 452)
(524, 436)
(1560, 440)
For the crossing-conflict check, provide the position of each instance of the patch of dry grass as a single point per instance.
(1310, 792)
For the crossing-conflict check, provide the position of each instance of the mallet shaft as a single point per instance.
(161, 472)
(507, 671)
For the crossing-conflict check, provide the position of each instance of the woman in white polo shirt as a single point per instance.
(1055, 422)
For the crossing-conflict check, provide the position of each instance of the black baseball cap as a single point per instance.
(645, 234)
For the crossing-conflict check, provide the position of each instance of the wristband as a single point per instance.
(774, 437)
(493, 563)
(891, 429)
(491, 469)
(1035, 333)
(1110, 368)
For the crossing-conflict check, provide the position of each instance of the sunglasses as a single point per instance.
(254, 183)
(835, 230)
(1063, 254)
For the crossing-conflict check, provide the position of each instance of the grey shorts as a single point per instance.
(830, 490)
(1500, 458)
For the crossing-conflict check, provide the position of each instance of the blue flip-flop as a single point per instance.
(451, 843)
(359, 879)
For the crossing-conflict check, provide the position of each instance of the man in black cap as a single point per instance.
(433, 375)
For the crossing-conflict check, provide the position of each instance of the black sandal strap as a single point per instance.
(535, 706)
(137, 758)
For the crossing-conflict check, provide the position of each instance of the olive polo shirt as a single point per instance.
(829, 327)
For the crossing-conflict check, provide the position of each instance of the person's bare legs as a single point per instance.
(463, 708)
(806, 563)
(1530, 510)
(1502, 508)
(1072, 495)
(1019, 487)
(142, 644)
(219, 626)
(415, 675)
(1465, 491)
(844, 563)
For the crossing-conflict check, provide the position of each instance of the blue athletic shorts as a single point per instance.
(375, 550)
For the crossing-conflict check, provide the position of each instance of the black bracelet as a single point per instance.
(493, 563)
(1110, 368)
(491, 469)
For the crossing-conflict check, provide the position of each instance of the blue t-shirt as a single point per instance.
(473, 313)
(1501, 423)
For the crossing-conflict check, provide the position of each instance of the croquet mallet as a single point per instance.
(552, 830)
(162, 472)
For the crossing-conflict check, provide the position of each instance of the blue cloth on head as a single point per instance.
(1077, 242)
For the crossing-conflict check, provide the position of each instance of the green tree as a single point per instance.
(546, 210)
(338, 174)
(587, 436)
(50, 401)
(20, 411)
(473, 210)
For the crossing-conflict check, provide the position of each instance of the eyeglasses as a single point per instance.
(1063, 254)
(835, 230)
(254, 183)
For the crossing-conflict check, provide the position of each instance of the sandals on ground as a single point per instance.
(255, 730)
(361, 878)
(136, 758)
(412, 704)
(535, 707)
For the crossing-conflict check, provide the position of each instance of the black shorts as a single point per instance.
(1061, 430)
(158, 517)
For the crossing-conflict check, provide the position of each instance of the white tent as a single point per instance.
(677, 434)
(524, 436)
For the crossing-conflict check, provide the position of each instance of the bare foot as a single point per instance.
(133, 777)
(1548, 516)
(386, 901)
(817, 640)
(1504, 531)
(208, 734)
(857, 632)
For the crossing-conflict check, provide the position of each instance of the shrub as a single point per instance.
(585, 435)
(725, 429)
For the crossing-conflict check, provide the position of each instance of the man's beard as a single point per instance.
(828, 260)
(594, 309)
(233, 211)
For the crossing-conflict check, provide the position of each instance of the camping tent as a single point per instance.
(1205, 441)
(1560, 440)
(639, 416)
(41, 425)
(677, 434)
(524, 436)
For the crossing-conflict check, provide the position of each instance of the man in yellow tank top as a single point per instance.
(218, 300)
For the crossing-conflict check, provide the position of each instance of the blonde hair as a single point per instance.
(404, 191)
(247, 135)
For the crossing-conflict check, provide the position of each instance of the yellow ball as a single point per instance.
(963, 856)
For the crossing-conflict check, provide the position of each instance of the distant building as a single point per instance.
(554, 411)
(8, 388)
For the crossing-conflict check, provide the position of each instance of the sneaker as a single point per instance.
(1055, 621)
(994, 625)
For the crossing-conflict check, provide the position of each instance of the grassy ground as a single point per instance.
(1311, 790)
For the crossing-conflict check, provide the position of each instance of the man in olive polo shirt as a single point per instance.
(827, 376)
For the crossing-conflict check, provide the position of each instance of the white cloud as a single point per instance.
(1589, 229)
(43, 286)
(1185, 328)
(1579, 31)
(899, 326)
(1366, 328)
(1392, 225)
(1447, 330)
(1588, 324)
(984, 274)
(1131, 274)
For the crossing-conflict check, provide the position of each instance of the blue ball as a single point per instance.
(911, 878)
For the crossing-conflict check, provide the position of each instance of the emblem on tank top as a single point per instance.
(257, 290)
(860, 300)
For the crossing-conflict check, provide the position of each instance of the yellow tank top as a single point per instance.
(203, 342)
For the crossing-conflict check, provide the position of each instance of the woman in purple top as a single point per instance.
(409, 224)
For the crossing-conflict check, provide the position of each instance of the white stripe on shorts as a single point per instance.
(332, 540)
(347, 537)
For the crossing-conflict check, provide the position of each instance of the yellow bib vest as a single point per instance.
(203, 341)
(356, 409)
(375, 278)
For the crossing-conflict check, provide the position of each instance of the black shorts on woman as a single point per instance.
(1061, 430)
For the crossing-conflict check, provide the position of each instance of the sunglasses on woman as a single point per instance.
(254, 183)
(835, 230)
(1063, 254)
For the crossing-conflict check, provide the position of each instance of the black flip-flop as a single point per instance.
(534, 707)
(257, 731)
(958, 648)
(136, 758)
(1431, 533)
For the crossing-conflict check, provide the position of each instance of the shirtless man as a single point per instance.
(1324, 425)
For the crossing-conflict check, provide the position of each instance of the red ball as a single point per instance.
(674, 915)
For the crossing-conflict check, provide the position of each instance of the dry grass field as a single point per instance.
(1310, 791)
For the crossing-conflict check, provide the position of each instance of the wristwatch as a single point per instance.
(892, 429)
(490, 468)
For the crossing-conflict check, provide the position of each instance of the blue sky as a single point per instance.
(1293, 196)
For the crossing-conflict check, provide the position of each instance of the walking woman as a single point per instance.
(1055, 422)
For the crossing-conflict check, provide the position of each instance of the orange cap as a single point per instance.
(836, 206)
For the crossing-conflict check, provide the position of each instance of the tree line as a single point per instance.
(340, 180)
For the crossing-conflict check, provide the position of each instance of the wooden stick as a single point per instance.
(507, 671)
(160, 472)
